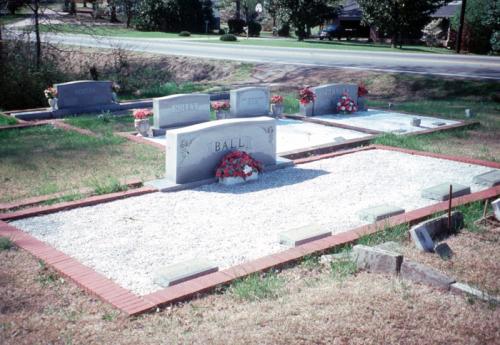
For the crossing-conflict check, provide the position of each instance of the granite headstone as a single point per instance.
(249, 102)
(84, 94)
(180, 110)
(328, 95)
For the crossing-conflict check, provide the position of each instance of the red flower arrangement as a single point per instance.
(277, 100)
(223, 105)
(346, 105)
(306, 96)
(50, 92)
(362, 90)
(141, 114)
(238, 164)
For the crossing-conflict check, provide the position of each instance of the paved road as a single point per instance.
(481, 67)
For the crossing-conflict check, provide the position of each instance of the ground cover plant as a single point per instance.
(41, 160)
(7, 120)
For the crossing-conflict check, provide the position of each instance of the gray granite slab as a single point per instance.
(250, 101)
(376, 213)
(441, 192)
(84, 93)
(304, 234)
(490, 178)
(181, 272)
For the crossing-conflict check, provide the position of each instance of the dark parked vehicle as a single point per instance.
(331, 31)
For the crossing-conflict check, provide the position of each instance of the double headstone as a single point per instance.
(249, 102)
(193, 152)
(328, 95)
(180, 110)
(84, 94)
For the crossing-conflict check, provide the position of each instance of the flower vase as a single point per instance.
(222, 114)
(307, 109)
(53, 103)
(142, 126)
(232, 180)
(277, 109)
(361, 104)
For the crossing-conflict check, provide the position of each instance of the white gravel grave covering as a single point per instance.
(386, 121)
(129, 240)
(294, 135)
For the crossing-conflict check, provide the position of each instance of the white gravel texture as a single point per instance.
(386, 121)
(294, 135)
(129, 240)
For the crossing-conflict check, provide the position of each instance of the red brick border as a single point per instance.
(132, 304)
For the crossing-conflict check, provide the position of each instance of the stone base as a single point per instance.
(181, 272)
(377, 260)
(308, 233)
(490, 179)
(441, 192)
(376, 213)
(419, 273)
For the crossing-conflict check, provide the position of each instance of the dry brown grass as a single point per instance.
(313, 308)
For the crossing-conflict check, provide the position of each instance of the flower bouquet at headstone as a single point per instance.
(277, 105)
(346, 105)
(362, 92)
(141, 121)
(306, 99)
(51, 95)
(221, 109)
(237, 167)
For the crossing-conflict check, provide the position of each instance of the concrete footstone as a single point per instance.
(377, 260)
(423, 234)
(422, 239)
(443, 250)
(496, 208)
(183, 271)
(419, 273)
(304, 234)
(490, 178)
(376, 213)
(469, 290)
(441, 192)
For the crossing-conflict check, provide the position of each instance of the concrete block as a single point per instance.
(183, 271)
(462, 288)
(308, 233)
(438, 227)
(377, 260)
(391, 246)
(439, 123)
(441, 192)
(496, 208)
(443, 250)
(373, 214)
(419, 273)
(490, 178)
(422, 239)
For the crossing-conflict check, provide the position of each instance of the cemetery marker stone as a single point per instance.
(84, 94)
(249, 102)
(180, 110)
(328, 95)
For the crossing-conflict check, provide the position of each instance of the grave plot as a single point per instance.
(131, 241)
(387, 121)
(294, 135)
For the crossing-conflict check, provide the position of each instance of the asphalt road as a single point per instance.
(465, 66)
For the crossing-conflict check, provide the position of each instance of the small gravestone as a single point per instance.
(496, 208)
(193, 152)
(328, 95)
(423, 234)
(443, 250)
(439, 123)
(296, 237)
(441, 192)
(84, 94)
(422, 239)
(181, 272)
(490, 178)
(249, 102)
(377, 260)
(376, 213)
(419, 273)
(180, 110)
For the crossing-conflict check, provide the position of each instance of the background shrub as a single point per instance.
(184, 33)
(284, 31)
(236, 26)
(228, 38)
(254, 28)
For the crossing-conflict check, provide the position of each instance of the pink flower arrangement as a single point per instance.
(222, 105)
(277, 100)
(50, 92)
(362, 90)
(346, 105)
(141, 114)
(237, 164)
(306, 96)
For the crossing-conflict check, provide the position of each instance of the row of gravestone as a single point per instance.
(188, 109)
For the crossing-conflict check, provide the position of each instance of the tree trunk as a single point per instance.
(394, 40)
(238, 9)
(37, 34)
(72, 7)
(113, 18)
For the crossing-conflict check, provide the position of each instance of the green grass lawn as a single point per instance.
(7, 120)
(45, 160)
(338, 45)
(108, 30)
(12, 18)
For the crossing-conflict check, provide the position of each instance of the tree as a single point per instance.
(482, 20)
(129, 8)
(305, 14)
(399, 18)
